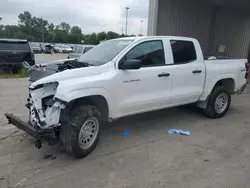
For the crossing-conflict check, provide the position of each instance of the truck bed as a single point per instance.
(225, 68)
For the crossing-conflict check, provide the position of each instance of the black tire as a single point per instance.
(210, 109)
(70, 131)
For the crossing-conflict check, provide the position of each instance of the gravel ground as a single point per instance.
(215, 155)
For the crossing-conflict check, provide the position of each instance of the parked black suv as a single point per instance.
(13, 52)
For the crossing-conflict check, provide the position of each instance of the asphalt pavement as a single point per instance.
(215, 155)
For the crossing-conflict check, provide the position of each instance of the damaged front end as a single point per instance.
(44, 114)
(44, 108)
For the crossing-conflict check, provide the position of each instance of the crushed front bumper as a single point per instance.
(47, 135)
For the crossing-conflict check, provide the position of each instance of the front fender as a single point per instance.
(71, 95)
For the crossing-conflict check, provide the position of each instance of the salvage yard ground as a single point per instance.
(215, 155)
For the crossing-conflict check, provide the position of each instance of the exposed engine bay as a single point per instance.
(37, 72)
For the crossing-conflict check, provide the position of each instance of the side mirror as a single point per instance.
(130, 64)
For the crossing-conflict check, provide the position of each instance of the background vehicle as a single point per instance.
(42, 46)
(57, 48)
(79, 50)
(13, 52)
(49, 48)
(35, 47)
(66, 49)
(123, 77)
(61, 48)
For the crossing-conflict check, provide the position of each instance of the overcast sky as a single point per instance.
(90, 15)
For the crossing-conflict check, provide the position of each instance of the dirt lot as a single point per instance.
(215, 155)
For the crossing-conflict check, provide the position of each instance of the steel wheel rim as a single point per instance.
(88, 133)
(221, 103)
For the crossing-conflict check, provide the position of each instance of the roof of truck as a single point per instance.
(152, 37)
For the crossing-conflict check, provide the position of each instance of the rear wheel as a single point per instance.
(219, 102)
(80, 136)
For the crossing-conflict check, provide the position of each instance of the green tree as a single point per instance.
(64, 26)
(112, 35)
(30, 27)
(51, 27)
(101, 36)
(75, 30)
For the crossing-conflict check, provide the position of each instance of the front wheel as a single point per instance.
(80, 136)
(218, 103)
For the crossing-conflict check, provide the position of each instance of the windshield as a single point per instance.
(104, 52)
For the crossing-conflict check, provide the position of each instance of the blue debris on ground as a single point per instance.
(125, 133)
(181, 132)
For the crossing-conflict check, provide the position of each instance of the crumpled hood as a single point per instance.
(72, 74)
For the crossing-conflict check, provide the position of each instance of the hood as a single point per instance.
(72, 74)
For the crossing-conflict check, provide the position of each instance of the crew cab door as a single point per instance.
(187, 71)
(147, 88)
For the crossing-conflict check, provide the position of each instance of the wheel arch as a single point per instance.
(96, 100)
(228, 82)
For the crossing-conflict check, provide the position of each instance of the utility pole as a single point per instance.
(141, 26)
(42, 31)
(126, 30)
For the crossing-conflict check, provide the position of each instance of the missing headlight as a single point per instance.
(48, 102)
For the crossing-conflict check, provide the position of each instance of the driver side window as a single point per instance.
(151, 53)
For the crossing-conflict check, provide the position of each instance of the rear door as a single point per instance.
(187, 72)
(15, 51)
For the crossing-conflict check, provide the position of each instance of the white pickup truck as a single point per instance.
(123, 77)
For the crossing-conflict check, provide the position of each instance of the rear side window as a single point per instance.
(15, 46)
(86, 49)
(183, 51)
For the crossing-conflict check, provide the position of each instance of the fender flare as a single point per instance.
(69, 96)
(210, 86)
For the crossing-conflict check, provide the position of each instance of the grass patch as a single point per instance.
(21, 74)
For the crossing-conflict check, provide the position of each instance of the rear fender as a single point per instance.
(209, 86)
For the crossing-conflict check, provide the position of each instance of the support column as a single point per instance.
(153, 17)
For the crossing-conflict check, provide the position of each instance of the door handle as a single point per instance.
(243, 70)
(164, 74)
(197, 71)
